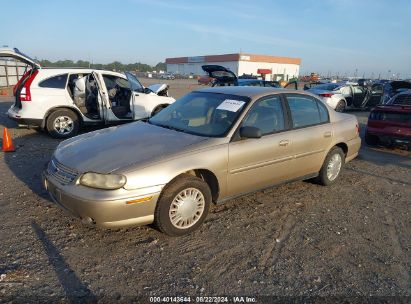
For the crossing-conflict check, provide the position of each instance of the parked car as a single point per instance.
(346, 95)
(337, 95)
(383, 91)
(225, 77)
(390, 124)
(211, 145)
(168, 76)
(205, 80)
(64, 100)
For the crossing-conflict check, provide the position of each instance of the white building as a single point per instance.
(276, 68)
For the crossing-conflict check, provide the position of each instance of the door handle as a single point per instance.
(327, 134)
(284, 143)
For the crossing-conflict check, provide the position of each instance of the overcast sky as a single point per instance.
(337, 36)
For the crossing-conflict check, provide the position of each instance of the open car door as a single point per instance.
(222, 75)
(102, 99)
(292, 85)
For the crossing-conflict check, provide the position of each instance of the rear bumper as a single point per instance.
(107, 213)
(14, 115)
(353, 148)
(388, 138)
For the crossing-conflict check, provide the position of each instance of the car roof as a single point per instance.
(55, 71)
(249, 91)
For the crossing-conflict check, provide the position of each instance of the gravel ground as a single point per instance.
(351, 239)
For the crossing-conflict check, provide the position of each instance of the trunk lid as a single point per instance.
(220, 73)
(16, 54)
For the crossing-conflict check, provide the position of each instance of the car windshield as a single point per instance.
(327, 86)
(203, 114)
(134, 83)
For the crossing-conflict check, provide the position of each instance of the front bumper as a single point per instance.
(95, 206)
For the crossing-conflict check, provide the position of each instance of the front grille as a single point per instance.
(61, 173)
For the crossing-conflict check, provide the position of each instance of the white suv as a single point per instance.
(63, 100)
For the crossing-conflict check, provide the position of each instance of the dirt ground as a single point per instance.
(351, 239)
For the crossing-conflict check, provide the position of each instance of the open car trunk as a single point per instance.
(221, 74)
(32, 67)
(225, 77)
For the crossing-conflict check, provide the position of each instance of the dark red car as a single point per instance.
(390, 124)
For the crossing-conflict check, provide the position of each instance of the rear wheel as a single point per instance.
(331, 169)
(183, 206)
(340, 106)
(63, 123)
(371, 140)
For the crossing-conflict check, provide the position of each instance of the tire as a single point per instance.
(157, 109)
(340, 107)
(168, 207)
(371, 140)
(63, 123)
(327, 175)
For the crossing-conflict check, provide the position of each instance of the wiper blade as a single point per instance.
(171, 128)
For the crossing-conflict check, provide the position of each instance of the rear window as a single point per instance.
(326, 87)
(404, 99)
(56, 82)
(387, 116)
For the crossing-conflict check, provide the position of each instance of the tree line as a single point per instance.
(114, 66)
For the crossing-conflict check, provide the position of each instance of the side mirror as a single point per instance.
(147, 90)
(250, 132)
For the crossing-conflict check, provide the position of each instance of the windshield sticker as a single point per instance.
(231, 105)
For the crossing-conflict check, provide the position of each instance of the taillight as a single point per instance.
(326, 94)
(25, 94)
(19, 82)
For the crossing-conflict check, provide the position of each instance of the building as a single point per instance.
(276, 67)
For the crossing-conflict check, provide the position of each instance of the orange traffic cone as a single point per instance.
(7, 142)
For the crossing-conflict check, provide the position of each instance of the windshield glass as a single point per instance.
(326, 87)
(135, 85)
(204, 114)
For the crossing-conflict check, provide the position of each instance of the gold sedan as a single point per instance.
(209, 146)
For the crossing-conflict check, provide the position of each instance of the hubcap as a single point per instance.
(334, 167)
(63, 124)
(187, 208)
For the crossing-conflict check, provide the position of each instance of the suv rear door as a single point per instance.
(16, 54)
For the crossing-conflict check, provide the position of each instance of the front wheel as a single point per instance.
(331, 169)
(183, 206)
(158, 109)
(63, 123)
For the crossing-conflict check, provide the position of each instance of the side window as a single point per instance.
(377, 89)
(56, 82)
(306, 111)
(267, 115)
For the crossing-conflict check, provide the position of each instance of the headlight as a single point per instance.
(103, 181)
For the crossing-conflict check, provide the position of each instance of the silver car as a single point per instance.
(209, 146)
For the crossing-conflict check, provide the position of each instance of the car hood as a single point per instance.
(116, 148)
